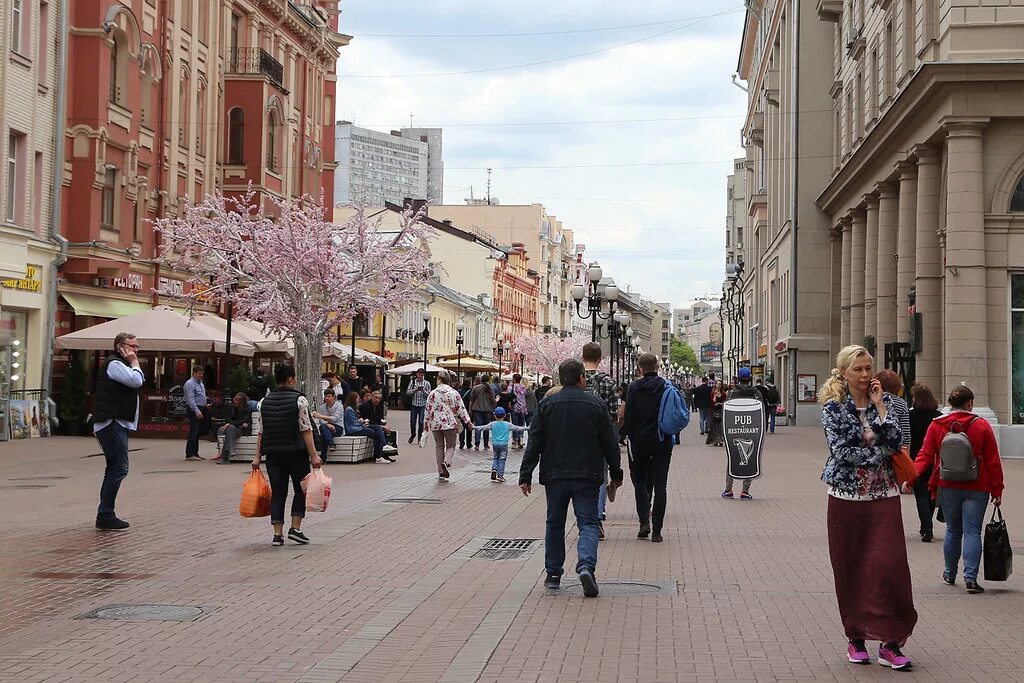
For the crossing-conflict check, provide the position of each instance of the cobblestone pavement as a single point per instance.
(403, 590)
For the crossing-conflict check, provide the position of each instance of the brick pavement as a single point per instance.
(390, 591)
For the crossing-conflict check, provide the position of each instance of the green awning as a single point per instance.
(99, 307)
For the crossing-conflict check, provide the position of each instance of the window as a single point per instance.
(236, 136)
(186, 16)
(184, 95)
(118, 59)
(909, 36)
(1017, 200)
(17, 25)
(37, 190)
(15, 187)
(272, 141)
(201, 115)
(872, 83)
(236, 24)
(859, 111)
(890, 58)
(1017, 347)
(107, 207)
(43, 43)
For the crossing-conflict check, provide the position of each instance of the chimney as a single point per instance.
(416, 205)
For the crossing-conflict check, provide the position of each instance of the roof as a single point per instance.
(448, 228)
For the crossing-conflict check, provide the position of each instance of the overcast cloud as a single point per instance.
(658, 225)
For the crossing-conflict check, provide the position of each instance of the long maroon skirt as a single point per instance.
(869, 562)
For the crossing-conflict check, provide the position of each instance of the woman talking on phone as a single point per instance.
(865, 525)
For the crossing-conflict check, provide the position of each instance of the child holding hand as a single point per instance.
(500, 430)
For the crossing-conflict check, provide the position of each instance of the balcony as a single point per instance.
(255, 61)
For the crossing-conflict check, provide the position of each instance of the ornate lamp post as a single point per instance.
(459, 327)
(580, 291)
(425, 335)
(731, 313)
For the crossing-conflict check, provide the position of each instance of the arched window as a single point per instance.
(1017, 200)
(272, 141)
(115, 94)
(236, 135)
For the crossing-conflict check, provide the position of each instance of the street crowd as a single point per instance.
(574, 431)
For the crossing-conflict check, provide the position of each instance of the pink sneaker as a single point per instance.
(889, 655)
(857, 652)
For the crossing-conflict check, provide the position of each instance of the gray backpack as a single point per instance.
(957, 461)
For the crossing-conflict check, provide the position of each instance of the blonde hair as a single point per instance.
(835, 386)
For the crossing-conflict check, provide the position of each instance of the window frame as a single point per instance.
(108, 199)
(1016, 204)
(11, 167)
(17, 26)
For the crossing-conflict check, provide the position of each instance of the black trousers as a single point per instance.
(649, 462)
(280, 468)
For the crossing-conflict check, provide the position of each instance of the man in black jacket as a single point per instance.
(702, 401)
(650, 451)
(572, 439)
(238, 424)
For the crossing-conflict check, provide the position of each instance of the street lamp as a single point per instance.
(731, 312)
(459, 327)
(426, 335)
(580, 291)
(507, 347)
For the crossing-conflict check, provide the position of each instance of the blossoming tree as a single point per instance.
(543, 353)
(285, 265)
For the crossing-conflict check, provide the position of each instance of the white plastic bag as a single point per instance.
(317, 487)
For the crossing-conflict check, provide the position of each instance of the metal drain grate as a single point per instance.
(425, 501)
(626, 588)
(147, 613)
(169, 472)
(26, 486)
(34, 478)
(498, 549)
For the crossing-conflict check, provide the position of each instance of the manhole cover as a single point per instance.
(26, 486)
(426, 501)
(623, 587)
(146, 613)
(498, 549)
(34, 478)
(169, 472)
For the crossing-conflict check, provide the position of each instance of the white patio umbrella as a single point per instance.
(413, 368)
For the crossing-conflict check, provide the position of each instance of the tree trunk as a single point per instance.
(308, 361)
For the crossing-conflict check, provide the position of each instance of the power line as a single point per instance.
(549, 61)
(523, 35)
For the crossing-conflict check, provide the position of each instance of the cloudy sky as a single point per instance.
(627, 134)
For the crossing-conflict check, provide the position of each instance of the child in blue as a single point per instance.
(500, 431)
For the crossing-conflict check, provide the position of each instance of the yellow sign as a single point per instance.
(29, 283)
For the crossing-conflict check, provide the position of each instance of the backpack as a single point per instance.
(957, 461)
(673, 415)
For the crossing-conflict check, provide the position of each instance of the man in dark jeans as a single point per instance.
(117, 413)
(573, 440)
(702, 401)
(287, 440)
(650, 451)
(198, 413)
(481, 408)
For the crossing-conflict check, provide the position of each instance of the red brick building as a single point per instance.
(516, 288)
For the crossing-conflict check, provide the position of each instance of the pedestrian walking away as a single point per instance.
(500, 430)
(481, 407)
(417, 391)
(961, 451)
(117, 413)
(650, 452)
(742, 390)
(573, 441)
(519, 407)
(286, 440)
(445, 415)
(198, 413)
(239, 424)
(865, 524)
(702, 400)
(715, 437)
(466, 436)
(601, 385)
(924, 410)
(771, 393)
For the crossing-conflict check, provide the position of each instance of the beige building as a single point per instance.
(661, 331)
(29, 92)
(925, 195)
(784, 245)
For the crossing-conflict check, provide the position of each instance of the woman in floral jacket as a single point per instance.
(865, 525)
(445, 413)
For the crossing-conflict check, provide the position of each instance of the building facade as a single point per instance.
(29, 93)
(516, 292)
(375, 167)
(433, 138)
(925, 195)
(661, 331)
(785, 246)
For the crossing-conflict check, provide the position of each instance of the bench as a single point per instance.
(348, 449)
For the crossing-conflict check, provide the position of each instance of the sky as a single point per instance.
(646, 195)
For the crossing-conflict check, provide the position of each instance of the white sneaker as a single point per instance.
(383, 461)
(390, 449)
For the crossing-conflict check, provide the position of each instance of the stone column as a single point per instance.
(965, 306)
(858, 232)
(928, 269)
(906, 244)
(845, 224)
(870, 268)
(885, 308)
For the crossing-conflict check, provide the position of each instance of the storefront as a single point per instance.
(22, 307)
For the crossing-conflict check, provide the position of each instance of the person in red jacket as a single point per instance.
(963, 502)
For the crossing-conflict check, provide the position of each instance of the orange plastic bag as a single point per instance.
(317, 487)
(255, 496)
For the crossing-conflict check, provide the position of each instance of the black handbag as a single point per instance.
(997, 552)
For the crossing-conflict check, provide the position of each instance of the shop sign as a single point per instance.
(171, 287)
(130, 281)
(710, 352)
(32, 281)
(762, 350)
(780, 346)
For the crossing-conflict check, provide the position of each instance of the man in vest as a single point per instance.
(286, 438)
(117, 413)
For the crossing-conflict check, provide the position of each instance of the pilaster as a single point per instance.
(870, 267)
(846, 226)
(928, 268)
(888, 220)
(858, 226)
(906, 244)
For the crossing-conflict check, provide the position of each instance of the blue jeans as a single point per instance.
(583, 494)
(771, 419)
(481, 418)
(114, 441)
(195, 424)
(705, 420)
(500, 455)
(519, 420)
(965, 513)
(416, 416)
(326, 439)
(376, 434)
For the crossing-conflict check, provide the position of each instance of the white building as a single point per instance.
(686, 313)
(433, 138)
(375, 167)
